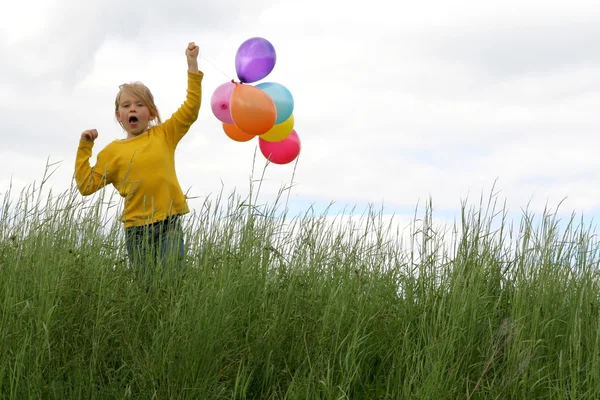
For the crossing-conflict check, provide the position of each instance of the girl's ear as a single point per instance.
(151, 118)
(118, 115)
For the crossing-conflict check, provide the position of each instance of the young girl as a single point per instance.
(142, 167)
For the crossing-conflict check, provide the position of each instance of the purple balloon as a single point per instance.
(254, 60)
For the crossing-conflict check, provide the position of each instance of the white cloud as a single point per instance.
(433, 98)
(58, 40)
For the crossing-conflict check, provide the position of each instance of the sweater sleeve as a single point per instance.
(180, 122)
(90, 179)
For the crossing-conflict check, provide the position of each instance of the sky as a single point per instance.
(394, 103)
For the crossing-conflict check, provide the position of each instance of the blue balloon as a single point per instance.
(282, 97)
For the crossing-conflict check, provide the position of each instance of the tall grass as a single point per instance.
(273, 306)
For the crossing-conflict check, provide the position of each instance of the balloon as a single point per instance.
(252, 110)
(282, 97)
(279, 131)
(236, 134)
(219, 102)
(254, 60)
(282, 152)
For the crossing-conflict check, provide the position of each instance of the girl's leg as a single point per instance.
(141, 245)
(171, 244)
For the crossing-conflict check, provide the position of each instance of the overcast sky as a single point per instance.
(393, 102)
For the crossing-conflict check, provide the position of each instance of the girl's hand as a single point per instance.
(89, 135)
(192, 51)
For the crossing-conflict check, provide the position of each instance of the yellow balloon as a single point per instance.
(280, 131)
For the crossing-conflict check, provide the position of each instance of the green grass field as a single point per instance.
(313, 308)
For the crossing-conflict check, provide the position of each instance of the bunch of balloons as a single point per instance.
(264, 110)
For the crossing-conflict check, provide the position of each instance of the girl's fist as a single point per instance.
(89, 135)
(192, 51)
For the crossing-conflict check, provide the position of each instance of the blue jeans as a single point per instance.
(156, 245)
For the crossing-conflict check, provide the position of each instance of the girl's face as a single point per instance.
(133, 114)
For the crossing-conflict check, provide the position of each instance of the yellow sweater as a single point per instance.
(142, 168)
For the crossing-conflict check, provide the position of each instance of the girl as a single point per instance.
(142, 167)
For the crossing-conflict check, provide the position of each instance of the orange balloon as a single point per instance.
(235, 133)
(252, 109)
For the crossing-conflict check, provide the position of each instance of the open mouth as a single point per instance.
(133, 119)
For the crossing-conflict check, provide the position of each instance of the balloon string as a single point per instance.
(217, 68)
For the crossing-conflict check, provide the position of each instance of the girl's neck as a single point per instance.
(132, 136)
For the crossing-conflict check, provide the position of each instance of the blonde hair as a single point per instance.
(142, 93)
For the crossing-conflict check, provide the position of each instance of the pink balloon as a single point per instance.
(282, 152)
(219, 102)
